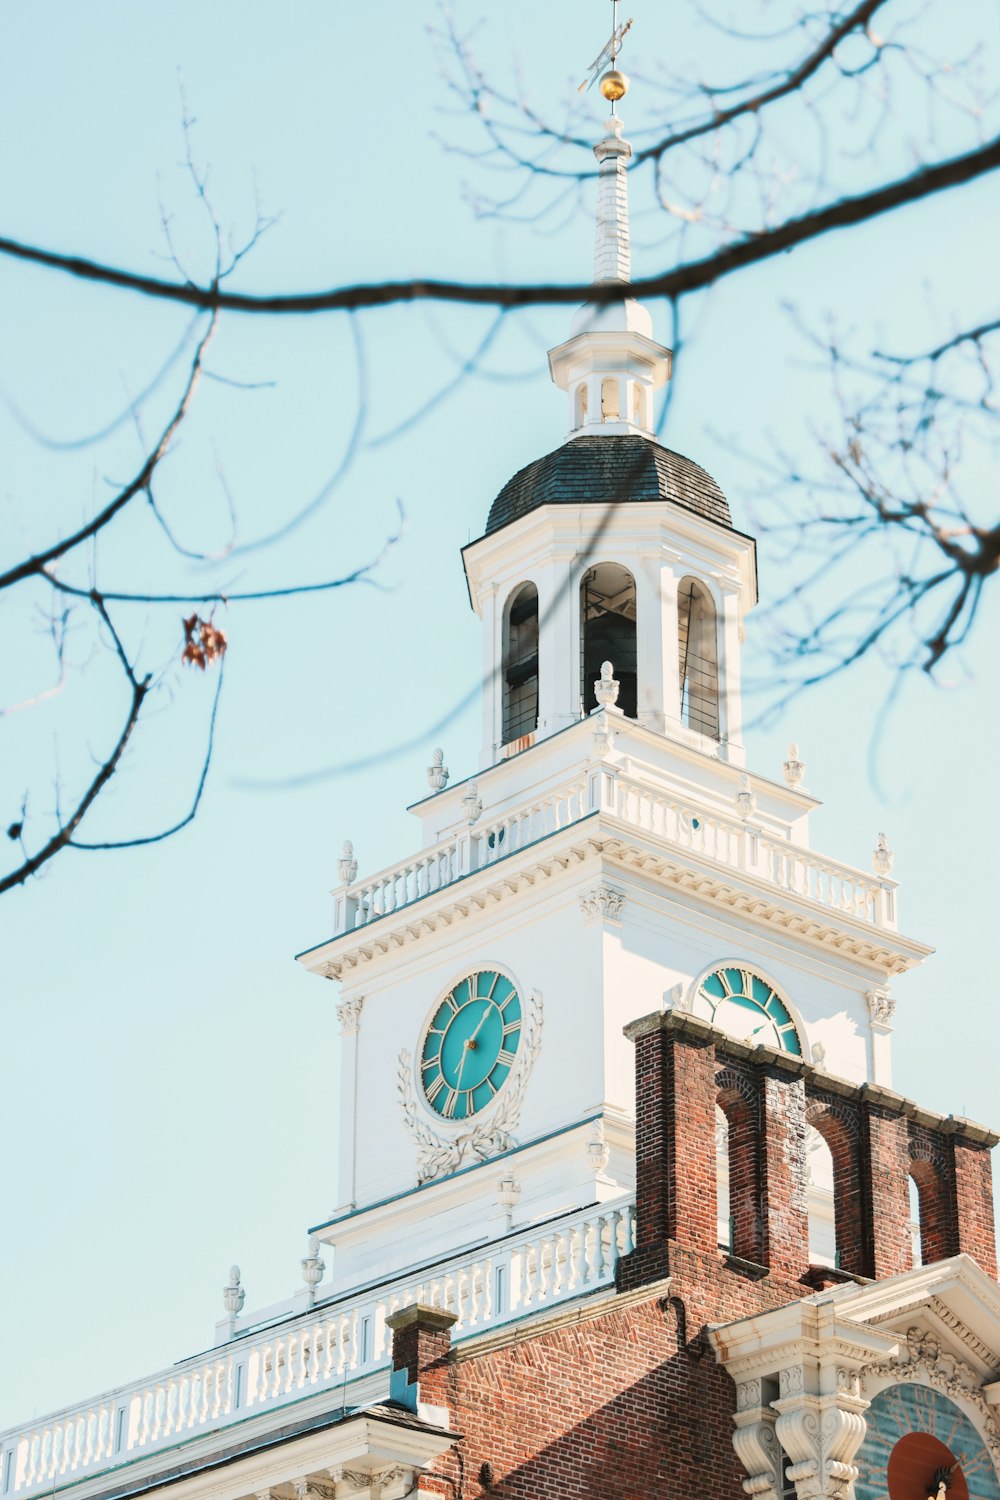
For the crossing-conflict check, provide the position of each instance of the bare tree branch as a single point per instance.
(922, 183)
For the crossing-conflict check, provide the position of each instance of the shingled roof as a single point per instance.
(607, 470)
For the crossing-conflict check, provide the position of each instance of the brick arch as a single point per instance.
(840, 1130)
(738, 1100)
(929, 1170)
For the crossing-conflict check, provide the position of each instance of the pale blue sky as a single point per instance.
(169, 1099)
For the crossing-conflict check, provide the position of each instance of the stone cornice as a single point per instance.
(598, 835)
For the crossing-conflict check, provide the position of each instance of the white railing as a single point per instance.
(335, 1343)
(729, 842)
(481, 846)
(741, 846)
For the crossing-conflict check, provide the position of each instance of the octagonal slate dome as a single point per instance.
(605, 470)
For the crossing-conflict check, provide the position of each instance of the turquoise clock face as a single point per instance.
(470, 1045)
(743, 1005)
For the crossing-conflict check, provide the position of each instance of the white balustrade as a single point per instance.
(730, 842)
(742, 847)
(331, 1344)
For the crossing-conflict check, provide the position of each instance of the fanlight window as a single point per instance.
(745, 1006)
(607, 633)
(699, 657)
(520, 667)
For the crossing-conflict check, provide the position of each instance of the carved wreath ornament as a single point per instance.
(439, 1153)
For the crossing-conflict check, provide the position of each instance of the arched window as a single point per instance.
(607, 633)
(611, 408)
(520, 665)
(698, 657)
(639, 406)
(833, 1162)
(581, 403)
(926, 1176)
(916, 1250)
(722, 1213)
(737, 1196)
(822, 1213)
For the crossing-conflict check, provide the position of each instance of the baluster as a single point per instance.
(486, 1302)
(599, 1265)
(530, 1268)
(573, 1257)
(463, 1298)
(263, 1372)
(614, 1219)
(50, 1446)
(628, 1230)
(181, 1404)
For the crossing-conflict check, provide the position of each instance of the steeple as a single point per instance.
(612, 247)
(610, 366)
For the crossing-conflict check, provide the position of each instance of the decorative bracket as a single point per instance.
(349, 1015)
(604, 903)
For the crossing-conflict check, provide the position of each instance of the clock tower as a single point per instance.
(612, 854)
(600, 1032)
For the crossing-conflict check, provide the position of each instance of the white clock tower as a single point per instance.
(611, 855)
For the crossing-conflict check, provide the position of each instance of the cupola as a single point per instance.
(611, 548)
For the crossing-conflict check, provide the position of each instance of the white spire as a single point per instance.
(612, 249)
(610, 365)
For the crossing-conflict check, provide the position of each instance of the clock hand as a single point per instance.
(468, 1046)
(482, 1023)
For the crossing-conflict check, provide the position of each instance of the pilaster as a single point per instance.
(349, 1015)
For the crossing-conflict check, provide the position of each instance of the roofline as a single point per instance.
(745, 536)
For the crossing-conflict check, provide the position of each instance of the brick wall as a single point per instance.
(629, 1403)
(623, 1396)
(878, 1141)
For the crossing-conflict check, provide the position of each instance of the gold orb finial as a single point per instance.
(614, 85)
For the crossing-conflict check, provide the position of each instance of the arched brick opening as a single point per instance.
(840, 1132)
(736, 1100)
(927, 1169)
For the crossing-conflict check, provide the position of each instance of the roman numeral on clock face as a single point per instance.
(505, 1057)
(433, 1089)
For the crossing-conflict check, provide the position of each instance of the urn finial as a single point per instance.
(347, 865)
(882, 856)
(233, 1294)
(313, 1267)
(606, 689)
(746, 797)
(437, 772)
(794, 769)
(472, 804)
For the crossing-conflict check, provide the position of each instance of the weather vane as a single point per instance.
(613, 84)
